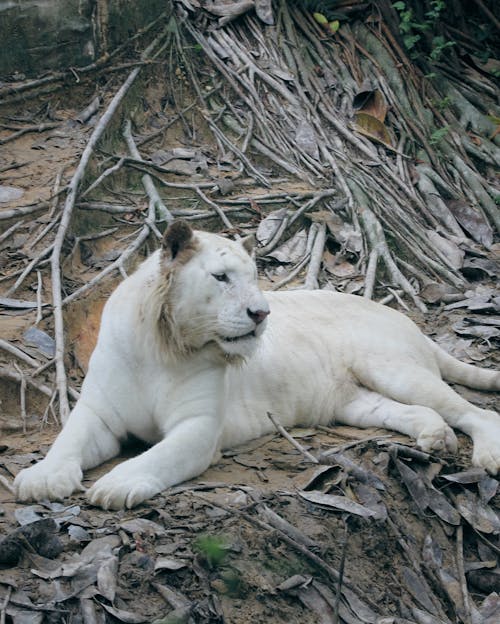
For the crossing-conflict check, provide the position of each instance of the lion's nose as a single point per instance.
(257, 316)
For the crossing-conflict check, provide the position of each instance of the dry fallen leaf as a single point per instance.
(373, 128)
(480, 516)
(472, 220)
(340, 503)
(269, 226)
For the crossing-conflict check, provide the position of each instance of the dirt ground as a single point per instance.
(259, 537)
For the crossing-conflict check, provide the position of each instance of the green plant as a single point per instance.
(407, 25)
(439, 45)
(412, 29)
(211, 548)
(439, 134)
(442, 104)
(437, 7)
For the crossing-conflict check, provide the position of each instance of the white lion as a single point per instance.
(188, 360)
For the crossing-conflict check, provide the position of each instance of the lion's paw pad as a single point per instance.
(487, 455)
(437, 439)
(116, 491)
(52, 480)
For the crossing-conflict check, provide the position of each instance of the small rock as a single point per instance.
(10, 193)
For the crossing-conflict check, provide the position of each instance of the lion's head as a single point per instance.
(209, 293)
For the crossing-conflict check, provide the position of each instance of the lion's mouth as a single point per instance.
(238, 338)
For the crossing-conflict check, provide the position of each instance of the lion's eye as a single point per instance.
(220, 277)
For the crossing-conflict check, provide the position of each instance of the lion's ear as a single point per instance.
(178, 237)
(249, 243)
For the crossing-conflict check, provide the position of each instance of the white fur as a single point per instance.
(185, 389)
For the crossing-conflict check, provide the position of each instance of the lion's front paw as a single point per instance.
(52, 480)
(440, 438)
(123, 488)
(486, 454)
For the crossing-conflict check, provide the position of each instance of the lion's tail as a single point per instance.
(458, 372)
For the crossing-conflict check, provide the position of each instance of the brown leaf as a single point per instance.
(371, 499)
(125, 616)
(107, 578)
(329, 475)
(488, 487)
(264, 11)
(487, 581)
(292, 250)
(269, 226)
(316, 602)
(418, 588)
(414, 483)
(448, 248)
(169, 563)
(305, 138)
(475, 268)
(142, 525)
(340, 503)
(472, 221)
(486, 332)
(477, 514)
(371, 102)
(490, 609)
(372, 128)
(432, 292)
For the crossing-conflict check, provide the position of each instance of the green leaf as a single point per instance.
(439, 134)
(334, 26)
(410, 41)
(320, 18)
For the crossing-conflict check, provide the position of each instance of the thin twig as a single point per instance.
(311, 203)
(370, 274)
(116, 167)
(239, 153)
(338, 595)
(38, 298)
(27, 270)
(216, 207)
(292, 441)
(311, 281)
(5, 603)
(461, 574)
(13, 350)
(5, 235)
(43, 367)
(33, 128)
(396, 296)
(275, 239)
(7, 485)
(22, 210)
(298, 268)
(12, 376)
(22, 396)
(147, 181)
(72, 191)
(388, 298)
(116, 265)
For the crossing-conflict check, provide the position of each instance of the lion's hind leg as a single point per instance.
(415, 385)
(371, 409)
